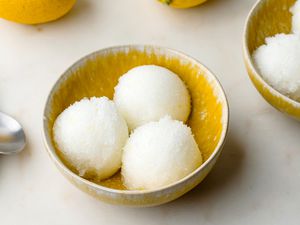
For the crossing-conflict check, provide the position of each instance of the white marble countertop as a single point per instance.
(257, 179)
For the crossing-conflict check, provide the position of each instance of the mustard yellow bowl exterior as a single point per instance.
(98, 73)
(267, 18)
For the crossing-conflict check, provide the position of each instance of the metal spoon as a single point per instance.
(12, 136)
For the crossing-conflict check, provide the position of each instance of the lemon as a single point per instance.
(34, 11)
(182, 3)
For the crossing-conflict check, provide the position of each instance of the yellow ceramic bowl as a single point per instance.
(98, 73)
(267, 18)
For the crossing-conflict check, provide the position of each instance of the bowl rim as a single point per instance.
(52, 152)
(249, 62)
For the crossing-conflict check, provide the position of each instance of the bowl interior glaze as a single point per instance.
(269, 17)
(98, 73)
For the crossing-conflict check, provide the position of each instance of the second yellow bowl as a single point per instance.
(267, 18)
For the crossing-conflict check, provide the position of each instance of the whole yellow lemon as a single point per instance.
(34, 11)
(182, 3)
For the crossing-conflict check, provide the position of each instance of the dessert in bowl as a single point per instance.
(97, 74)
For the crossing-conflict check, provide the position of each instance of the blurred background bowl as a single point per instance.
(98, 73)
(267, 18)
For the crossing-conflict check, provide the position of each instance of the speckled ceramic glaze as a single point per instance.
(98, 73)
(267, 18)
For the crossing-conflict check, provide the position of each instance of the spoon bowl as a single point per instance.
(12, 136)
